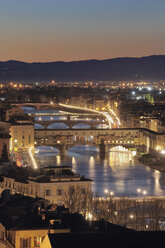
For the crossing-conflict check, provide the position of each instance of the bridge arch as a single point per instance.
(29, 108)
(58, 125)
(101, 126)
(38, 126)
(81, 126)
(92, 148)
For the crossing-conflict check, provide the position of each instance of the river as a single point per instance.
(119, 173)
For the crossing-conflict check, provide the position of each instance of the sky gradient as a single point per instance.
(53, 30)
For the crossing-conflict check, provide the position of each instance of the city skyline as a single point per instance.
(68, 31)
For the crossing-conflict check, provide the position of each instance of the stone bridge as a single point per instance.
(37, 106)
(139, 138)
(71, 123)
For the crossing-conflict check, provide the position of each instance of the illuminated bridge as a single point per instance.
(71, 123)
(70, 110)
(37, 106)
(104, 139)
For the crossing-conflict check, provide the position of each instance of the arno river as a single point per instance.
(119, 173)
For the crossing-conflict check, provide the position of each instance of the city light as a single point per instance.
(134, 153)
(32, 158)
(111, 193)
(110, 121)
(138, 190)
(106, 191)
(89, 216)
(144, 192)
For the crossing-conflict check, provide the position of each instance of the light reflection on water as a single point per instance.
(119, 173)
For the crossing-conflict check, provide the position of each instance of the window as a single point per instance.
(59, 191)
(25, 243)
(47, 192)
(37, 241)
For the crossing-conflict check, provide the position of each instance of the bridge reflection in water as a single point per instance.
(120, 172)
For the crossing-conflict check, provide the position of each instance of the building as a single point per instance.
(22, 134)
(17, 111)
(52, 185)
(98, 104)
(32, 236)
(4, 142)
(4, 242)
(119, 238)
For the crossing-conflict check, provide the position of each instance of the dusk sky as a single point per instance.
(51, 30)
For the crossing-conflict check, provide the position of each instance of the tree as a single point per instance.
(78, 199)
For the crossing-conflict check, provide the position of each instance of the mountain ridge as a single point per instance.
(150, 68)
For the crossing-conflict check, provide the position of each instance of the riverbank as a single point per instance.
(154, 161)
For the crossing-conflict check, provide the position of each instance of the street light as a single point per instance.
(144, 192)
(111, 193)
(106, 191)
(131, 216)
(138, 190)
(89, 216)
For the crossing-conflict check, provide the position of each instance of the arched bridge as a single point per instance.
(71, 123)
(36, 105)
(63, 139)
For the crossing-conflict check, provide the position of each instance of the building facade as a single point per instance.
(22, 135)
(53, 188)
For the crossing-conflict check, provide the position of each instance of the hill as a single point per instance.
(145, 68)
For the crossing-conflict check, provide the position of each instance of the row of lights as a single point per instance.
(144, 192)
(106, 191)
(121, 141)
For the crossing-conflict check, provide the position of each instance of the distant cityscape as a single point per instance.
(82, 124)
(108, 116)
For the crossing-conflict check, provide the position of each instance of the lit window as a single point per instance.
(37, 241)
